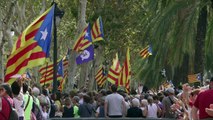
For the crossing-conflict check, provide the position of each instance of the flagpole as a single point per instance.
(58, 14)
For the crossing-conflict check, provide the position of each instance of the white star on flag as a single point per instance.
(44, 34)
(87, 34)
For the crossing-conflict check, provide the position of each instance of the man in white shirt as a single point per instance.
(114, 106)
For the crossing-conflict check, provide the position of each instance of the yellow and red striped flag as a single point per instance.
(125, 74)
(97, 30)
(114, 70)
(100, 76)
(194, 78)
(62, 82)
(82, 42)
(46, 72)
(146, 52)
(32, 47)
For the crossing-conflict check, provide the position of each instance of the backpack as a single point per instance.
(13, 113)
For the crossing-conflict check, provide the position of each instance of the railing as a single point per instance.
(110, 119)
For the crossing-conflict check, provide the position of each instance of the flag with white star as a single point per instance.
(32, 47)
(88, 49)
(84, 40)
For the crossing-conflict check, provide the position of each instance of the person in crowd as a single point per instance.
(203, 101)
(28, 102)
(100, 109)
(44, 112)
(5, 101)
(75, 101)
(58, 113)
(86, 109)
(167, 103)
(81, 95)
(45, 92)
(143, 107)
(158, 103)
(127, 104)
(58, 99)
(67, 109)
(36, 103)
(135, 111)
(114, 104)
(209, 110)
(35, 94)
(18, 99)
(152, 108)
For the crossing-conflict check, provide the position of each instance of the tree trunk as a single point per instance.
(97, 62)
(72, 64)
(199, 41)
(182, 72)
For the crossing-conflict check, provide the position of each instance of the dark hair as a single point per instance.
(15, 88)
(58, 95)
(103, 92)
(86, 98)
(44, 91)
(7, 88)
(211, 80)
(114, 88)
(25, 88)
(155, 97)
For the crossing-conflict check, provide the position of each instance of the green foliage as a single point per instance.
(168, 25)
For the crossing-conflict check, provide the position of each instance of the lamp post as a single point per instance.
(58, 14)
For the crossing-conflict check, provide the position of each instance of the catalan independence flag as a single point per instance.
(125, 74)
(46, 72)
(62, 82)
(100, 76)
(114, 70)
(146, 52)
(82, 42)
(32, 47)
(194, 78)
(97, 30)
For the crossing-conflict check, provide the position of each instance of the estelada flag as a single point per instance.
(32, 47)
(146, 52)
(46, 71)
(88, 49)
(100, 76)
(84, 40)
(194, 78)
(97, 30)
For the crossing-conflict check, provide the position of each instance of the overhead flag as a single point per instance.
(60, 68)
(84, 40)
(125, 74)
(100, 76)
(114, 70)
(32, 47)
(88, 52)
(146, 52)
(97, 30)
(62, 82)
(194, 78)
(46, 72)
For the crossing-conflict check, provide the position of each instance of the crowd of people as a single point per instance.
(35, 103)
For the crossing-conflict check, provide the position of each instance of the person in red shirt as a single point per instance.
(5, 109)
(203, 101)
